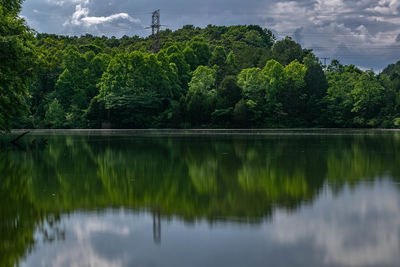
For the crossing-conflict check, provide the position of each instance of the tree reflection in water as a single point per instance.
(217, 178)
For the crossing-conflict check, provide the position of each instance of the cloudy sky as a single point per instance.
(364, 32)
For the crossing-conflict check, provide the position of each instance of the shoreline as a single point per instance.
(204, 132)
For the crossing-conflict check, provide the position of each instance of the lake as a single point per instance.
(201, 198)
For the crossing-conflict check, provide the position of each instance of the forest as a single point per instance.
(214, 77)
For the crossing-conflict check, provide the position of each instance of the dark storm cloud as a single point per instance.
(368, 28)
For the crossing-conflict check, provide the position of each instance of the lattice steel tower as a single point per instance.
(155, 30)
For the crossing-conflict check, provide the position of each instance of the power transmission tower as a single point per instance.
(325, 59)
(155, 30)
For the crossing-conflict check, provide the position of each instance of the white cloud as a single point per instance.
(81, 16)
(330, 7)
(80, 12)
(99, 20)
(386, 7)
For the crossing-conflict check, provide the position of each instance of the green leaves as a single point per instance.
(200, 100)
(275, 78)
(16, 62)
(202, 51)
(295, 73)
(286, 51)
(368, 99)
(203, 79)
(357, 99)
(253, 84)
(55, 115)
(199, 72)
(228, 93)
(133, 108)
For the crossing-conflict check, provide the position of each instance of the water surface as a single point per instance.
(201, 198)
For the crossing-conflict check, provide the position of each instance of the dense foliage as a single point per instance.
(237, 76)
(16, 61)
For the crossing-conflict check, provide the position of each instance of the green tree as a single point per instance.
(228, 93)
(368, 96)
(240, 114)
(136, 88)
(200, 100)
(231, 66)
(292, 96)
(202, 51)
(218, 56)
(190, 58)
(253, 84)
(183, 68)
(203, 79)
(286, 51)
(253, 38)
(71, 86)
(390, 79)
(17, 60)
(393, 71)
(218, 61)
(42, 85)
(55, 115)
(275, 81)
(339, 99)
(315, 90)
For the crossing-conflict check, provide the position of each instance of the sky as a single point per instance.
(365, 33)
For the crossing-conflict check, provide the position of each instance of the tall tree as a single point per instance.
(315, 90)
(228, 93)
(16, 61)
(55, 115)
(253, 84)
(202, 51)
(292, 96)
(218, 62)
(200, 100)
(339, 100)
(276, 82)
(368, 95)
(286, 51)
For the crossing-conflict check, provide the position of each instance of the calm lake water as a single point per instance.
(201, 198)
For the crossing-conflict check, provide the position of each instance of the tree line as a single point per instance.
(217, 76)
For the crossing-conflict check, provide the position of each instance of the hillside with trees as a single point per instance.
(217, 76)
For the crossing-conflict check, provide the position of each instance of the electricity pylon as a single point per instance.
(155, 31)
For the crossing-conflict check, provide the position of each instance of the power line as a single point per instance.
(358, 47)
(338, 34)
